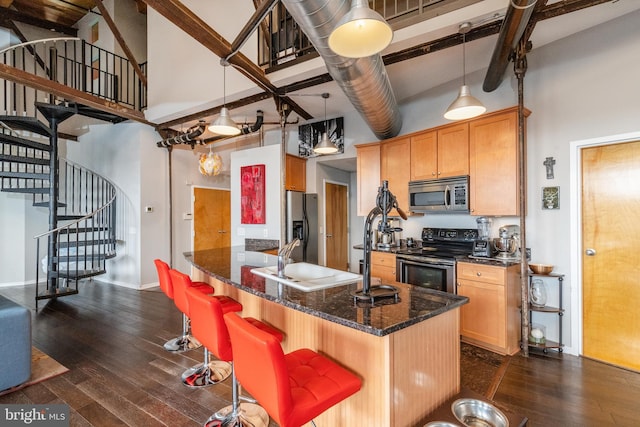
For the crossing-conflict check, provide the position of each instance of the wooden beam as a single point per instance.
(12, 15)
(192, 24)
(120, 40)
(62, 91)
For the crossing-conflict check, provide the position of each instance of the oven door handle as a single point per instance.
(423, 263)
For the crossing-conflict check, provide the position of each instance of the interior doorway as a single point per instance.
(211, 218)
(336, 222)
(606, 255)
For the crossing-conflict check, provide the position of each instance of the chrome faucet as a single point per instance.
(283, 254)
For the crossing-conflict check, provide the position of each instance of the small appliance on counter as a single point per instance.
(508, 243)
(387, 235)
(482, 246)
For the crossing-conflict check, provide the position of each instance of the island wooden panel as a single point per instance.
(405, 375)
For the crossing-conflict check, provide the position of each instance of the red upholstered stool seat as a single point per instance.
(209, 327)
(293, 388)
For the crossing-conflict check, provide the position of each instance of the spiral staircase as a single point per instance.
(81, 204)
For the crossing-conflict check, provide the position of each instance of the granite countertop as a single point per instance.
(233, 266)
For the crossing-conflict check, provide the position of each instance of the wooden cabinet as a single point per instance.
(368, 176)
(494, 170)
(395, 167)
(296, 173)
(383, 265)
(440, 153)
(492, 318)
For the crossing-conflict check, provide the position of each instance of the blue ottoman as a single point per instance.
(15, 344)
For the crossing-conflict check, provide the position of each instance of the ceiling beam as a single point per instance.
(118, 36)
(12, 15)
(45, 85)
(192, 24)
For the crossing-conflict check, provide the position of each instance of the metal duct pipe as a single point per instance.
(363, 80)
(515, 21)
(184, 138)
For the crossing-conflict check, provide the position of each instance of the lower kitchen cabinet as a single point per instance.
(492, 318)
(383, 265)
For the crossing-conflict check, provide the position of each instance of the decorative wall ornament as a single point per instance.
(252, 194)
(309, 135)
(548, 163)
(550, 197)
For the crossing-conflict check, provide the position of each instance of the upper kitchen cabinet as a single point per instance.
(368, 176)
(296, 173)
(494, 168)
(395, 167)
(440, 153)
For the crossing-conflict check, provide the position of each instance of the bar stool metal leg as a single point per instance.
(245, 414)
(185, 342)
(208, 373)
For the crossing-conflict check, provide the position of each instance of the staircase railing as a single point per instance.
(74, 63)
(82, 246)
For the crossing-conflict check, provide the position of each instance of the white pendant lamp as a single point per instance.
(224, 124)
(325, 146)
(361, 32)
(465, 105)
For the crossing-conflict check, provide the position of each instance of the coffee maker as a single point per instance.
(508, 243)
(482, 246)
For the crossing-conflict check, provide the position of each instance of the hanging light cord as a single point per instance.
(224, 64)
(464, 54)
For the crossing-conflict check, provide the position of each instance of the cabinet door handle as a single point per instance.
(590, 252)
(478, 274)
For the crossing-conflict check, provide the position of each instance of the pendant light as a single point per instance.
(224, 124)
(210, 164)
(325, 146)
(361, 32)
(465, 106)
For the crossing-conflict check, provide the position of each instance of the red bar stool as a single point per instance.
(209, 327)
(293, 388)
(209, 372)
(186, 341)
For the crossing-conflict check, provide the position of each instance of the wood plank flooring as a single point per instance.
(111, 340)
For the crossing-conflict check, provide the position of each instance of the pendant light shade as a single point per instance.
(361, 32)
(210, 164)
(224, 124)
(465, 105)
(325, 146)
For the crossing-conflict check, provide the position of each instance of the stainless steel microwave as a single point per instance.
(440, 195)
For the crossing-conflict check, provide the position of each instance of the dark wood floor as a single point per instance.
(111, 340)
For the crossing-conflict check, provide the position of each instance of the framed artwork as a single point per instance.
(550, 197)
(252, 193)
(309, 135)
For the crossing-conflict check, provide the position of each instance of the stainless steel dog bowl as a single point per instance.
(441, 424)
(477, 413)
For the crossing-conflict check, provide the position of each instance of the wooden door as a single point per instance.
(610, 229)
(211, 218)
(336, 226)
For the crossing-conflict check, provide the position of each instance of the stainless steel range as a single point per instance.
(433, 264)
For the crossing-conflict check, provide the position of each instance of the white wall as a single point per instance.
(271, 158)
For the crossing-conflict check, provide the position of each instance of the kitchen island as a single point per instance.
(407, 353)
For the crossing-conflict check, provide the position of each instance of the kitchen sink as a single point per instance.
(308, 277)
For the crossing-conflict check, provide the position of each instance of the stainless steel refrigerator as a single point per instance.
(302, 222)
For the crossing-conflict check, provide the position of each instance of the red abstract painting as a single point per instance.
(252, 183)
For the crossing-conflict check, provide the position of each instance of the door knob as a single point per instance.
(329, 235)
(590, 252)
